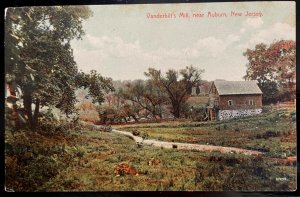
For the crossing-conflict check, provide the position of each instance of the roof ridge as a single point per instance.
(237, 87)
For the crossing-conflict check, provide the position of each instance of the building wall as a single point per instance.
(214, 98)
(240, 102)
(229, 114)
(242, 105)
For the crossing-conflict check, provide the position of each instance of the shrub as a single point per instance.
(212, 183)
(214, 170)
(145, 135)
(50, 124)
(268, 134)
(144, 171)
(171, 182)
(229, 160)
(80, 154)
(257, 167)
(199, 173)
(135, 132)
(236, 180)
(32, 175)
(167, 185)
(272, 133)
(237, 129)
(198, 113)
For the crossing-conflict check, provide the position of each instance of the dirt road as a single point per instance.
(186, 146)
(175, 145)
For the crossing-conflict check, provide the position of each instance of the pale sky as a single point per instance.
(122, 43)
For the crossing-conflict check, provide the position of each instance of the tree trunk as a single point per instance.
(27, 101)
(176, 113)
(12, 99)
(154, 114)
(159, 111)
(36, 114)
(176, 109)
(135, 119)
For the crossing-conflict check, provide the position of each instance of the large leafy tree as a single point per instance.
(39, 62)
(96, 84)
(177, 85)
(145, 95)
(274, 67)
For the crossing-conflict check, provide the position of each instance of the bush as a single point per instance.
(198, 113)
(50, 124)
(145, 135)
(135, 132)
(229, 160)
(268, 134)
(199, 173)
(38, 158)
(215, 170)
(237, 129)
(237, 180)
(33, 171)
(257, 167)
(212, 184)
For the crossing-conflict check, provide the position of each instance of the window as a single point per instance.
(230, 103)
(251, 102)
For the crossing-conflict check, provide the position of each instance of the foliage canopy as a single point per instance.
(274, 67)
(39, 62)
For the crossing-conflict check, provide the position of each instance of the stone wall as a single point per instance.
(229, 114)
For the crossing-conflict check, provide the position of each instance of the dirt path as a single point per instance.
(177, 145)
(186, 146)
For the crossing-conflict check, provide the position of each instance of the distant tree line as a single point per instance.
(160, 94)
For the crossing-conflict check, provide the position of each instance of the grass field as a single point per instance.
(85, 160)
(273, 132)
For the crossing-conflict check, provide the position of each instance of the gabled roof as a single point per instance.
(237, 87)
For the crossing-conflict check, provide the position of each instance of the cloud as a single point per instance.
(107, 53)
(253, 23)
(204, 47)
(106, 49)
(211, 45)
(275, 32)
(250, 24)
(278, 31)
(114, 46)
(166, 53)
(231, 38)
(103, 53)
(88, 59)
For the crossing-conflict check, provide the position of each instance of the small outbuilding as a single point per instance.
(229, 99)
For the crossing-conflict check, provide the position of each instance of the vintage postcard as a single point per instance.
(151, 97)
